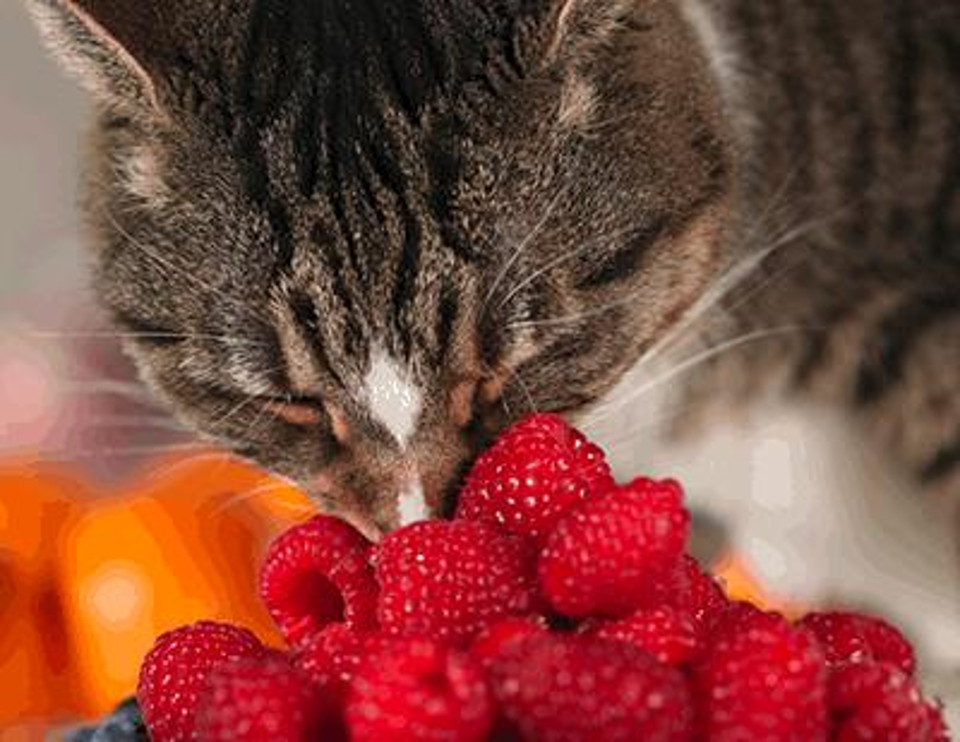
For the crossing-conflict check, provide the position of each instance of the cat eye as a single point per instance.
(469, 398)
(297, 412)
(309, 413)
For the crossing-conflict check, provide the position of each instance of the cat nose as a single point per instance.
(410, 507)
(372, 530)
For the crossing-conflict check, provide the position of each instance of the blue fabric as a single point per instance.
(125, 724)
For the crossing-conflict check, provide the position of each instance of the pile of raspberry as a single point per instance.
(556, 605)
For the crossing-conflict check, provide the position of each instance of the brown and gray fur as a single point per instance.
(515, 201)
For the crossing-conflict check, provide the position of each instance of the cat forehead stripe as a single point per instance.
(391, 397)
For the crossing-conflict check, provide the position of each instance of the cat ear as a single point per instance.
(575, 23)
(111, 46)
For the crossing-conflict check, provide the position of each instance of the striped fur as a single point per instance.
(514, 203)
(857, 112)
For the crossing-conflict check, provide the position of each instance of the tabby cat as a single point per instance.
(353, 240)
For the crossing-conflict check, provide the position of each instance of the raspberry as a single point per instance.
(616, 555)
(265, 698)
(490, 642)
(669, 634)
(449, 580)
(316, 574)
(536, 471)
(764, 681)
(878, 701)
(735, 619)
(175, 670)
(330, 657)
(702, 595)
(938, 724)
(570, 688)
(419, 689)
(854, 637)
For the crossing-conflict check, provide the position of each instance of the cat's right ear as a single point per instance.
(113, 47)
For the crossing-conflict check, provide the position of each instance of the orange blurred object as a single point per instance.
(740, 583)
(38, 675)
(90, 584)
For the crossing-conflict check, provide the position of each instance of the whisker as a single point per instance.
(548, 212)
(594, 126)
(246, 400)
(299, 512)
(506, 407)
(132, 391)
(233, 409)
(729, 280)
(81, 454)
(787, 238)
(114, 335)
(220, 456)
(132, 421)
(208, 289)
(570, 318)
(773, 202)
(691, 363)
(649, 423)
(535, 274)
(734, 275)
(721, 288)
(531, 405)
(247, 495)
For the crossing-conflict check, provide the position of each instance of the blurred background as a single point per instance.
(112, 521)
(114, 526)
(55, 366)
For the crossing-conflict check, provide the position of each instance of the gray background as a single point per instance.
(41, 115)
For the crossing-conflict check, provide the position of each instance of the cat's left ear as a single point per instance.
(575, 23)
(113, 47)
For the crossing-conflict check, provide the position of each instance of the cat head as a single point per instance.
(353, 240)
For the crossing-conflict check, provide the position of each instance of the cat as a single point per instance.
(353, 241)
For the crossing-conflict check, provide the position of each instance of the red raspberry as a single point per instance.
(570, 688)
(855, 637)
(876, 701)
(738, 616)
(450, 579)
(938, 723)
(616, 555)
(175, 671)
(766, 681)
(419, 689)
(534, 473)
(490, 642)
(331, 656)
(703, 595)
(318, 573)
(669, 634)
(262, 699)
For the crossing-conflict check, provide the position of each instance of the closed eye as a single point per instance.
(309, 413)
(304, 413)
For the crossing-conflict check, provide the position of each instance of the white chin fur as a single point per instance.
(412, 504)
